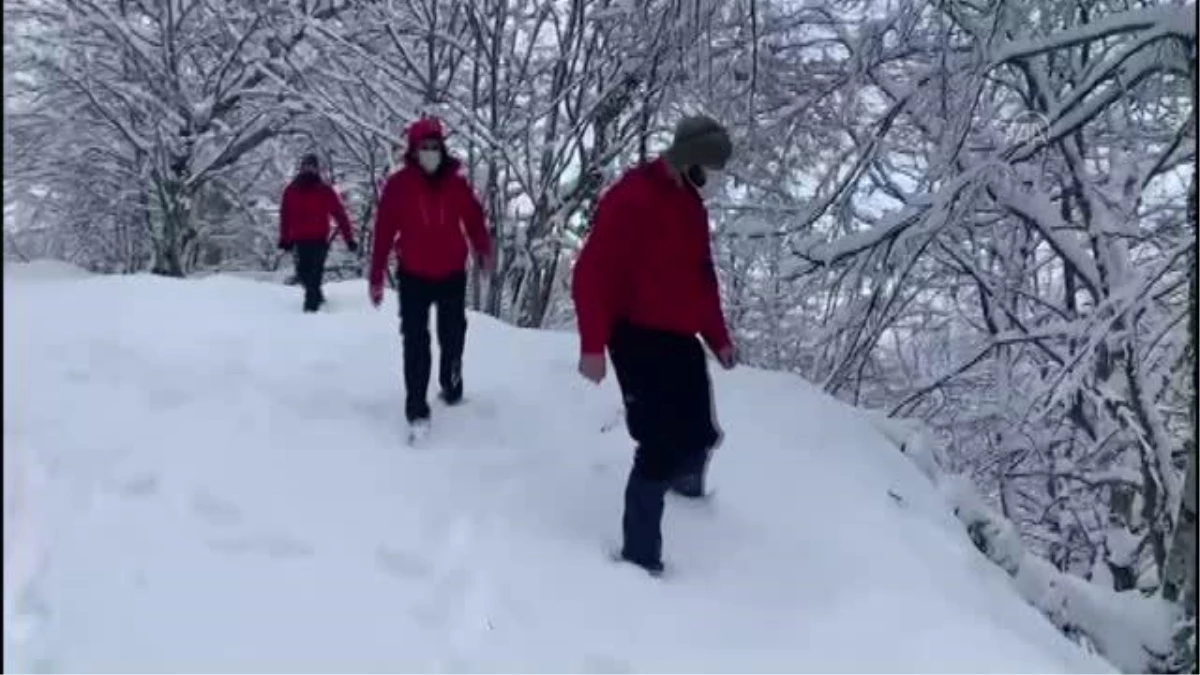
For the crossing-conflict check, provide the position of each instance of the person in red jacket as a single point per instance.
(424, 210)
(644, 285)
(304, 212)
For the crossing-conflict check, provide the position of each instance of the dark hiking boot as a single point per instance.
(642, 522)
(452, 384)
(653, 568)
(416, 411)
(312, 302)
(689, 485)
(452, 396)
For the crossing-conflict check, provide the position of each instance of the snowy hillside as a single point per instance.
(198, 477)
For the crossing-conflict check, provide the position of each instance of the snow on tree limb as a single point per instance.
(1177, 19)
(1127, 628)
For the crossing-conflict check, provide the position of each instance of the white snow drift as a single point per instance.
(199, 477)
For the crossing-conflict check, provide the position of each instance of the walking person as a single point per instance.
(429, 216)
(644, 285)
(304, 212)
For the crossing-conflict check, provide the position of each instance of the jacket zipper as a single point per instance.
(441, 204)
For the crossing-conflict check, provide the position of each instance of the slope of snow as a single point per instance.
(44, 270)
(199, 477)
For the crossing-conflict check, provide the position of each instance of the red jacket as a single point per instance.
(427, 219)
(304, 213)
(648, 261)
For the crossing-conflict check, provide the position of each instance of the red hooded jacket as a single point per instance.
(427, 220)
(308, 204)
(648, 261)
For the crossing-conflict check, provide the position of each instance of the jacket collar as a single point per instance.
(669, 178)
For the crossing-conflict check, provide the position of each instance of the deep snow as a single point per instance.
(200, 478)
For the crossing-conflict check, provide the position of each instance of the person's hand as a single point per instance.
(376, 293)
(593, 367)
(727, 357)
(352, 246)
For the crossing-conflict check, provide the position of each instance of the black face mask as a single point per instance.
(696, 176)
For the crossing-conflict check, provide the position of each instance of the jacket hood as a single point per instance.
(307, 180)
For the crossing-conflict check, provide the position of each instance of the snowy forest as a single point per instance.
(978, 214)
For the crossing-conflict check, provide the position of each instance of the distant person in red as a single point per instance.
(429, 215)
(308, 204)
(644, 285)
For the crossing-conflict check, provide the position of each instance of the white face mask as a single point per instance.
(429, 160)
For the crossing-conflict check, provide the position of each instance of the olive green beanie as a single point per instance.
(699, 140)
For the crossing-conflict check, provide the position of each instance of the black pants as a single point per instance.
(417, 295)
(310, 271)
(669, 413)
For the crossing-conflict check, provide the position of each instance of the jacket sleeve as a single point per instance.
(339, 215)
(285, 217)
(384, 237)
(474, 221)
(715, 332)
(597, 280)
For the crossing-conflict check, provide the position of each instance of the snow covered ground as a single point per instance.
(200, 478)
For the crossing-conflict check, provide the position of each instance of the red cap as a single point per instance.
(424, 129)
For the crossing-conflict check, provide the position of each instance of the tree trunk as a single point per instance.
(1179, 578)
(176, 235)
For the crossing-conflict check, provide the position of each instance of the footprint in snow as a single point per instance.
(168, 398)
(401, 564)
(271, 545)
(32, 613)
(139, 486)
(503, 469)
(215, 510)
(455, 596)
(602, 467)
(379, 410)
(235, 368)
(220, 512)
(603, 663)
(445, 600)
(324, 366)
(414, 561)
